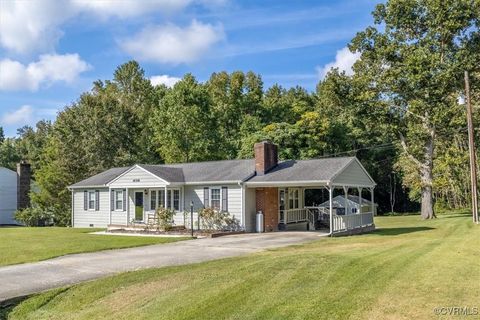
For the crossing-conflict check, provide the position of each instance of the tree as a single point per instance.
(416, 61)
(9, 155)
(30, 142)
(183, 128)
(2, 135)
(105, 128)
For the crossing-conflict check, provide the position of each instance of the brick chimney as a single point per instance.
(266, 157)
(23, 184)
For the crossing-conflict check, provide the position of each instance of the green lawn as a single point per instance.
(19, 245)
(402, 271)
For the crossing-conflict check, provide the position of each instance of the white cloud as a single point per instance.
(129, 8)
(36, 25)
(21, 116)
(164, 79)
(26, 26)
(48, 69)
(172, 44)
(344, 60)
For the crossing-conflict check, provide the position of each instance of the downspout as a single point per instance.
(73, 205)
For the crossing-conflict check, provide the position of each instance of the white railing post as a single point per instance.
(330, 204)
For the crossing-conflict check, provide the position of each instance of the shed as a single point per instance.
(353, 205)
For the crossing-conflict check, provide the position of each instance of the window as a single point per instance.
(169, 198)
(91, 200)
(161, 198)
(293, 199)
(215, 198)
(354, 210)
(176, 200)
(118, 199)
(153, 199)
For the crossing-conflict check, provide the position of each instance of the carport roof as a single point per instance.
(314, 170)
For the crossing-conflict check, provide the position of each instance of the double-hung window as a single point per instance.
(215, 198)
(119, 200)
(293, 198)
(176, 199)
(153, 199)
(169, 198)
(91, 200)
(161, 198)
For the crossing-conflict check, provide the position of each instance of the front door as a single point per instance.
(139, 206)
(281, 205)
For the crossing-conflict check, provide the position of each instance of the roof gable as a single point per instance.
(137, 176)
(353, 174)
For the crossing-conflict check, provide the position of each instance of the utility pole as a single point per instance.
(471, 147)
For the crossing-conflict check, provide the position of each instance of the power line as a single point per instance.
(379, 146)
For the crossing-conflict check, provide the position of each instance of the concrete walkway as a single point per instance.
(24, 279)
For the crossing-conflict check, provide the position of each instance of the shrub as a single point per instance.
(218, 220)
(35, 216)
(165, 218)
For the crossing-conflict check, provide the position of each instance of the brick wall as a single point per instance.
(266, 157)
(267, 202)
(23, 185)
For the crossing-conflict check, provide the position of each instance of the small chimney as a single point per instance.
(23, 184)
(266, 157)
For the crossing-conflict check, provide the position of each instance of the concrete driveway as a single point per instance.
(24, 279)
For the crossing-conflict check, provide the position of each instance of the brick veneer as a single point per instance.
(266, 157)
(23, 185)
(267, 202)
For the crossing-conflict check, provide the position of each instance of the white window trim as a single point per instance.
(294, 198)
(150, 199)
(179, 199)
(157, 204)
(94, 200)
(210, 196)
(115, 199)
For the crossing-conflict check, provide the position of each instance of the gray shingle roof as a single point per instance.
(211, 171)
(231, 171)
(305, 170)
(101, 179)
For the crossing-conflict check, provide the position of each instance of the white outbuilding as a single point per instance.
(8, 196)
(342, 206)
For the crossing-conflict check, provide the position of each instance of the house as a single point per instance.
(14, 192)
(243, 188)
(341, 206)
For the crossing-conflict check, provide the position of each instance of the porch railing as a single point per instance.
(296, 215)
(352, 221)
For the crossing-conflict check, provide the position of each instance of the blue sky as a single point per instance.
(52, 50)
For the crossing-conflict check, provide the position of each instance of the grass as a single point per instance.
(402, 271)
(19, 244)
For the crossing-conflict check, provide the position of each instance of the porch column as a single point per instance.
(110, 205)
(128, 205)
(360, 199)
(373, 203)
(345, 190)
(165, 203)
(330, 204)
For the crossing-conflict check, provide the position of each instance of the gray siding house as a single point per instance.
(121, 196)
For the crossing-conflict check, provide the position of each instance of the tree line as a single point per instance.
(399, 114)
